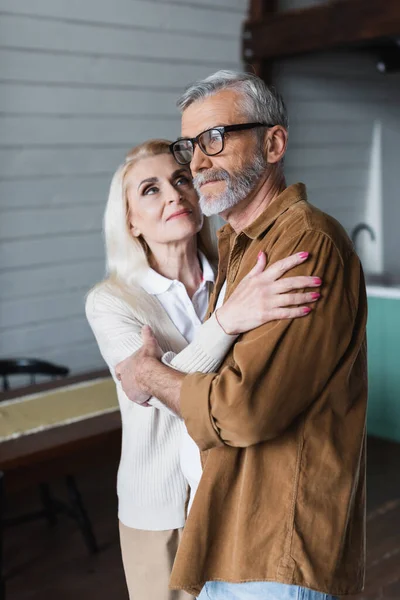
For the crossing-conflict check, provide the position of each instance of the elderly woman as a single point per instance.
(160, 273)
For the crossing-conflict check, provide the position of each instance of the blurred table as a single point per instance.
(87, 427)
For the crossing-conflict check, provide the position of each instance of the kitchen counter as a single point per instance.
(383, 291)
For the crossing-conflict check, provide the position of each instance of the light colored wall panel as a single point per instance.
(236, 5)
(302, 156)
(67, 69)
(80, 83)
(39, 222)
(21, 98)
(49, 334)
(30, 281)
(28, 162)
(131, 14)
(297, 4)
(92, 39)
(80, 358)
(36, 131)
(50, 250)
(25, 312)
(39, 192)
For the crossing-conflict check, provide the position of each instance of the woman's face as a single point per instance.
(163, 204)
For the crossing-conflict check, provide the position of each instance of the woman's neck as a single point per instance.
(178, 261)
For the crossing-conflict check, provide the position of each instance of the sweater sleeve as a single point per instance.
(118, 335)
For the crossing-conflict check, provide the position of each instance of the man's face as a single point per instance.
(222, 181)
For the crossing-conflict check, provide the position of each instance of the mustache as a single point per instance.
(210, 175)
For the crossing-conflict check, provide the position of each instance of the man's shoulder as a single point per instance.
(304, 219)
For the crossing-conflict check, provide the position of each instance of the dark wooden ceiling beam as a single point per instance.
(338, 23)
(258, 10)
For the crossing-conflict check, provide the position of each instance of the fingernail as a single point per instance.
(303, 254)
(315, 295)
(306, 310)
(317, 280)
(259, 255)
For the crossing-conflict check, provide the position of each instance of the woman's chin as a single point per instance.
(181, 231)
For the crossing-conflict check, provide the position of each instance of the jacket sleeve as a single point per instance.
(118, 335)
(280, 368)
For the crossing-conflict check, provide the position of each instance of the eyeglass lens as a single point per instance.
(183, 151)
(210, 142)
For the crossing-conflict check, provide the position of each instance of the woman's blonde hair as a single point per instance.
(126, 255)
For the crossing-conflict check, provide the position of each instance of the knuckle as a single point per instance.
(282, 267)
(270, 273)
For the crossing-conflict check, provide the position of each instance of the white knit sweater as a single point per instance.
(152, 491)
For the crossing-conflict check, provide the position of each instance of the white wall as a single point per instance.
(343, 143)
(80, 83)
(344, 140)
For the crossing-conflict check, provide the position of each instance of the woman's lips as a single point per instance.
(181, 213)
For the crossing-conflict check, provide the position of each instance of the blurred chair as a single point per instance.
(51, 506)
(31, 367)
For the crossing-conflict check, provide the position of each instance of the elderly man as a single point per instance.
(279, 510)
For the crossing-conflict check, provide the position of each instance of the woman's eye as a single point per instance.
(150, 190)
(183, 181)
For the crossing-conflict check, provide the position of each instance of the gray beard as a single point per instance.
(238, 186)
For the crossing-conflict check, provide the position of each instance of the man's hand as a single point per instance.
(134, 371)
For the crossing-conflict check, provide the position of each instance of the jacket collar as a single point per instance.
(289, 196)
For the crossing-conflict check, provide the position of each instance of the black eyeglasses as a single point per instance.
(211, 141)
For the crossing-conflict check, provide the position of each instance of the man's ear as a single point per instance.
(275, 144)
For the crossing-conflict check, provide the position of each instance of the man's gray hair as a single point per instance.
(260, 102)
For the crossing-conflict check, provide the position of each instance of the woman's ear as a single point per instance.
(132, 227)
(134, 230)
(275, 144)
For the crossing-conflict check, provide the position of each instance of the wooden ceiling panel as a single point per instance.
(338, 23)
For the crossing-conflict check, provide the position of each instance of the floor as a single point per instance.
(43, 563)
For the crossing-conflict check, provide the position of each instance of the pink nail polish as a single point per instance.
(317, 280)
(306, 310)
(303, 254)
(259, 255)
(315, 295)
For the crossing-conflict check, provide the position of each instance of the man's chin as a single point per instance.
(213, 205)
(209, 204)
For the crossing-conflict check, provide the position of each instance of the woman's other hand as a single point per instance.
(264, 296)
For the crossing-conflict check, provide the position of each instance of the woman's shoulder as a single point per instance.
(111, 296)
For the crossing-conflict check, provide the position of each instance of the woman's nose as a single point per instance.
(174, 195)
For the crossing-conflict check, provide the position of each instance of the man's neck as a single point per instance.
(246, 212)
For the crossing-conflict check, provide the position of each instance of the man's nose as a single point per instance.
(200, 161)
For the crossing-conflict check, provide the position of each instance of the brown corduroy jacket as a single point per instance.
(281, 426)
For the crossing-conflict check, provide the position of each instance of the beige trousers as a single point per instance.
(148, 557)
